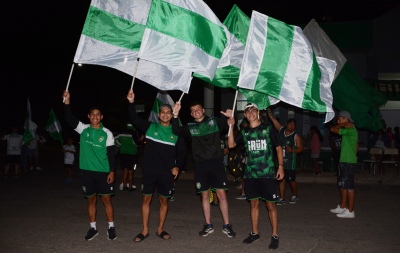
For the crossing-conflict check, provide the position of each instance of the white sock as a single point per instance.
(110, 224)
(93, 225)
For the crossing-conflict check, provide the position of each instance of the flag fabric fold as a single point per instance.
(279, 61)
(187, 35)
(53, 126)
(112, 36)
(29, 125)
(350, 91)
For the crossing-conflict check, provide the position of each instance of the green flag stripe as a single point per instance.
(180, 23)
(312, 98)
(156, 106)
(238, 24)
(276, 56)
(114, 30)
(226, 77)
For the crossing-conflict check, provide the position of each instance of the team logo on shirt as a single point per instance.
(211, 123)
(264, 132)
(172, 137)
(101, 139)
(198, 185)
(84, 188)
(155, 133)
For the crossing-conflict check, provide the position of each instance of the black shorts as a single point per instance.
(128, 161)
(290, 175)
(163, 182)
(346, 175)
(13, 159)
(210, 174)
(261, 188)
(96, 183)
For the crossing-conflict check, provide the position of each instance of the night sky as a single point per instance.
(39, 40)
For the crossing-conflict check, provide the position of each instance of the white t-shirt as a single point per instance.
(14, 142)
(69, 157)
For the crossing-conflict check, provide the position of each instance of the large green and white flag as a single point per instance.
(185, 34)
(161, 98)
(53, 127)
(350, 91)
(29, 125)
(112, 36)
(279, 61)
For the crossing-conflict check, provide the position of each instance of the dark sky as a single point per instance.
(39, 39)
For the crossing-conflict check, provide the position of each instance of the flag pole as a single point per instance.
(183, 93)
(233, 112)
(69, 79)
(134, 75)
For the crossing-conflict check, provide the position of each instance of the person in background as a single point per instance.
(347, 164)
(292, 145)
(96, 163)
(69, 158)
(14, 143)
(33, 152)
(315, 148)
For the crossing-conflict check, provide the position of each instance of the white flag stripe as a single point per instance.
(184, 55)
(126, 9)
(323, 45)
(253, 53)
(298, 69)
(236, 53)
(327, 76)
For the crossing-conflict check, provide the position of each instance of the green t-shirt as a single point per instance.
(348, 152)
(125, 144)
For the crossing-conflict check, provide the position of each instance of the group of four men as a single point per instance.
(164, 157)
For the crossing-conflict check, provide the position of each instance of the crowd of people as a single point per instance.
(261, 153)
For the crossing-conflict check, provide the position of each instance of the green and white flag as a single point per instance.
(112, 36)
(161, 98)
(29, 125)
(53, 127)
(185, 34)
(279, 61)
(350, 91)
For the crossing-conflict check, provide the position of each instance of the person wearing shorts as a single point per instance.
(210, 174)
(347, 164)
(14, 143)
(97, 165)
(260, 141)
(164, 155)
(292, 145)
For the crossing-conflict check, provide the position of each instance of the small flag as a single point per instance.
(53, 127)
(29, 125)
(161, 98)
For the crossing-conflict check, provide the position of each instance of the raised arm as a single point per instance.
(138, 122)
(275, 122)
(69, 117)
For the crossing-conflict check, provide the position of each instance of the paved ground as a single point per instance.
(39, 213)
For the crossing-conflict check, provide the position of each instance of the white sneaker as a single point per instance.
(133, 186)
(294, 200)
(346, 214)
(121, 186)
(338, 209)
(38, 168)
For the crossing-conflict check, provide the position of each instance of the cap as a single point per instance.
(248, 105)
(129, 126)
(346, 114)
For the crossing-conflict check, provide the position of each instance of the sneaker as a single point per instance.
(280, 202)
(274, 242)
(92, 233)
(294, 200)
(241, 197)
(172, 198)
(121, 186)
(111, 233)
(227, 229)
(251, 238)
(38, 168)
(338, 209)
(133, 186)
(346, 214)
(207, 229)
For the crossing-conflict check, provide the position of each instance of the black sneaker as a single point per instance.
(111, 233)
(274, 242)
(92, 233)
(207, 229)
(227, 229)
(252, 238)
